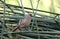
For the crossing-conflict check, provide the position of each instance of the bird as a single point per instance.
(25, 22)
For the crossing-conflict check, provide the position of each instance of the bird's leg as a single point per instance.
(27, 29)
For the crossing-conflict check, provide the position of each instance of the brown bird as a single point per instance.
(25, 22)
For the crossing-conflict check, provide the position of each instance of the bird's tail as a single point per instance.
(16, 28)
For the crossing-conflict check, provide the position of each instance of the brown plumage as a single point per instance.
(25, 22)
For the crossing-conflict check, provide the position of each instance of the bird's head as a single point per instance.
(30, 15)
